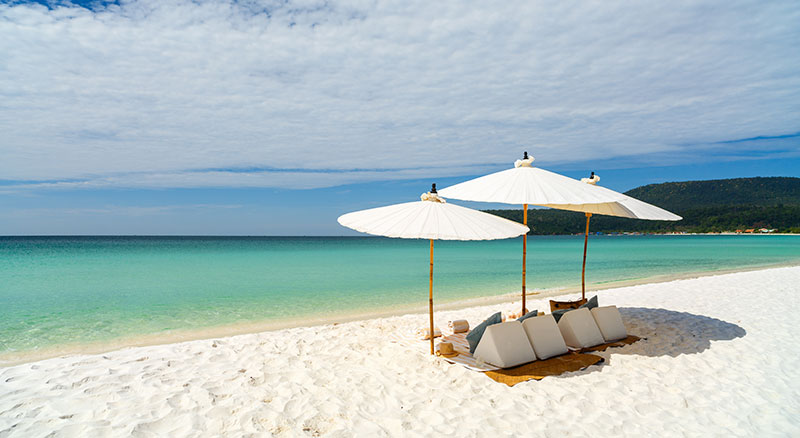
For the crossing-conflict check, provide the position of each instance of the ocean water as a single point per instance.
(76, 290)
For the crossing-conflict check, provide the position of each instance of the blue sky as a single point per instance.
(273, 118)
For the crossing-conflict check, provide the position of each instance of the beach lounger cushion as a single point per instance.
(530, 314)
(474, 336)
(609, 321)
(579, 329)
(590, 304)
(544, 336)
(557, 314)
(505, 345)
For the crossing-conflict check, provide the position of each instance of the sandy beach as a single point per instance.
(242, 218)
(717, 360)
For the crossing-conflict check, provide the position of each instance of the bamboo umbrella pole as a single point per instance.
(585, 244)
(524, 254)
(430, 296)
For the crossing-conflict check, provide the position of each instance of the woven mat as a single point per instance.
(460, 345)
(602, 347)
(465, 359)
(540, 369)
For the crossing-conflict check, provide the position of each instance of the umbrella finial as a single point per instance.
(432, 195)
(593, 179)
(526, 161)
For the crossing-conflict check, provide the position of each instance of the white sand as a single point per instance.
(721, 358)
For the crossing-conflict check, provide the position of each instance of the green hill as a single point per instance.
(706, 206)
(763, 192)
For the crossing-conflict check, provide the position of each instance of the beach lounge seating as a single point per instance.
(609, 321)
(579, 329)
(505, 345)
(544, 336)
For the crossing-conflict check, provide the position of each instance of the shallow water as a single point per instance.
(75, 290)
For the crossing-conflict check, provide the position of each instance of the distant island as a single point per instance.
(744, 205)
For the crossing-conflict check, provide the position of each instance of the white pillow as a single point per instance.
(609, 321)
(505, 345)
(545, 337)
(579, 329)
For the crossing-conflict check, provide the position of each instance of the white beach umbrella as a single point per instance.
(525, 184)
(626, 207)
(433, 219)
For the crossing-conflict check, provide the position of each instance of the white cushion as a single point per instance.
(609, 321)
(579, 329)
(505, 345)
(545, 337)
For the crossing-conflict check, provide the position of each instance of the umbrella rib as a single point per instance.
(425, 221)
(405, 222)
(453, 226)
(384, 219)
(479, 221)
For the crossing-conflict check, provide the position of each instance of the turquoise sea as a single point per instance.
(57, 291)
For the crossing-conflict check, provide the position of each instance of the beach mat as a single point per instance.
(465, 359)
(602, 347)
(460, 345)
(538, 370)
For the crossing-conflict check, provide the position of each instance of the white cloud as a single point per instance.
(150, 93)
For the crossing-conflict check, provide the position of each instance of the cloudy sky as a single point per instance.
(274, 117)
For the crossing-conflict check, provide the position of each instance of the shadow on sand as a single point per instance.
(666, 333)
(671, 333)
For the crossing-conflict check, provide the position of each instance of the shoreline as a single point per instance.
(245, 236)
(226, 331)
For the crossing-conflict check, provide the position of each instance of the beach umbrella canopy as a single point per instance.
(431, 218)
(625, 207)
(525, 184)
(528, 185)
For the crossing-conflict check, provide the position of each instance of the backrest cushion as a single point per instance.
(609, 321)
(591, 303)
(474, 336)
(557, 314)
(530, 314)
(579, 329)
(544, 336)
(505, 345)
